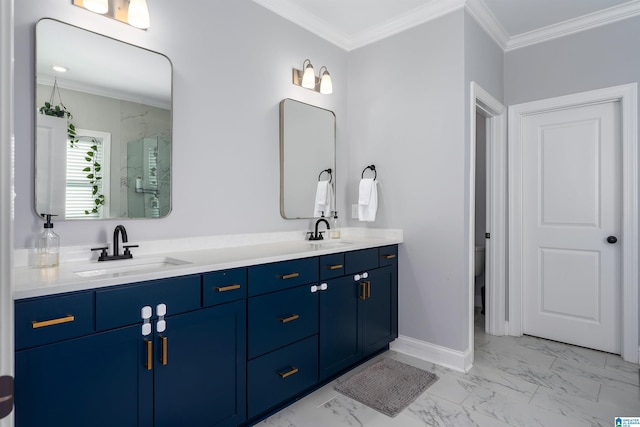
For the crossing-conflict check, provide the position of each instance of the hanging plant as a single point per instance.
(94, 167)
(94, 177)
(48, 109)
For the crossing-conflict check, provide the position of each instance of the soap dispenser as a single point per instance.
(334, 231)
(48, 245)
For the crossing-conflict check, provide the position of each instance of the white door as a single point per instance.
(571, 205)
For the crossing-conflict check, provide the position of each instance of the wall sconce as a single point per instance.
(132, 12)
(307, 78)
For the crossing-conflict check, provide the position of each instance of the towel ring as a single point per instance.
(373, 168)
(327, 171)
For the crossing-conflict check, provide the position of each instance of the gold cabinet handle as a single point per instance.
(391, 256)
(68, 318)
(289, 276)
(227, 288)
(334, 267)
(290, 372)
(363, 290)
(368, 289)
(149, 364)
(289, 319)
(163, 359)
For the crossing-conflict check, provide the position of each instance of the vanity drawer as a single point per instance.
(282, 275)
(388, 255)
(224, 286)
(361, 261)
(47, 320)
(280, 318)
(331, 266)
(121, 306)
(282, 374)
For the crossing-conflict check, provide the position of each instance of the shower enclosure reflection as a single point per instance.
(148, 177)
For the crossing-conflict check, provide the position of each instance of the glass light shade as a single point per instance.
(326, 86)
(138, 15)
(97, 6)
(309, 77)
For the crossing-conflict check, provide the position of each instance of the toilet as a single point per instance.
(479, 261)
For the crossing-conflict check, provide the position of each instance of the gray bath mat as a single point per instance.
(388, 386)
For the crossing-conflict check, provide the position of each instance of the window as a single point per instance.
(80, 197)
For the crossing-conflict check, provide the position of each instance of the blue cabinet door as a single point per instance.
(98, 380)
(376, 314)
(338, 326)
(200, 368)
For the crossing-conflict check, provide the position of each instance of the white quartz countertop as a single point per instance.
(90, 274)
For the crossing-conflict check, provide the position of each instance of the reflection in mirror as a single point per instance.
(103, 126)
(307, 148)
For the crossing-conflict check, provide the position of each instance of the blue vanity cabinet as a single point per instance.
(97, 380)
(282, 316)
(199, 372)
(113, 371)
(358, 312)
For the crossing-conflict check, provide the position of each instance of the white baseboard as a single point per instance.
(443, 356)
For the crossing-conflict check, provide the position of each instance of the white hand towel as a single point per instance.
(367, 199)
(324, 199)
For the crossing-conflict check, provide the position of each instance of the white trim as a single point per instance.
(627, 96)
(495, 295)
(572, 26)
(289, 10)
(7, 194)
(443, 356)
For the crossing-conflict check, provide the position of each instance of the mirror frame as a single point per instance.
(282, 157)
(169, 126)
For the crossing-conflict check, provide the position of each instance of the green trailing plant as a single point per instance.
(94, 177)
(61, 111)
(94, 166)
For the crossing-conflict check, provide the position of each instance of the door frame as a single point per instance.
(626, 95)
(495, 285)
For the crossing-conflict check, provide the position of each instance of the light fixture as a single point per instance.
(59, 68)
(307, 78)
(132, 12)
(326, 86)
(138, 14)
(97, 6)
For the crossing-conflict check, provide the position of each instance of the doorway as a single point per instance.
(492, 114)
(540, 287)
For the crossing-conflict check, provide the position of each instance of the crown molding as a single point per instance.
(289, 10)
(572, 26)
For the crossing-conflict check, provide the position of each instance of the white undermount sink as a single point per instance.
(127, 266)
(327, 244)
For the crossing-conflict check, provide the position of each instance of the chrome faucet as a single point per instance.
(318, 235)
(118, 231)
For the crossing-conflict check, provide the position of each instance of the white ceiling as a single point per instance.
(512, 23)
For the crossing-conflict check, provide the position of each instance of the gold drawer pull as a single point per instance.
(363, 290)
(368, 289)
(289, 319)
(149, 364)
(334, 267)
(227, 288)
(164, 350)
(290, 276)
(392, 256)
(44, 323)
(290, 372)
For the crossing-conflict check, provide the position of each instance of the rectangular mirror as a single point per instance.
(103, 126)
(307, 150)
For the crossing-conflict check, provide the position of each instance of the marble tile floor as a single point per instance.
(515, 381)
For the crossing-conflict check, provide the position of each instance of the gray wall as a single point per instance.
(406, 116)
(598, 58)
(232, 64)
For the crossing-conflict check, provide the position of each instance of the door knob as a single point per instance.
(612, 239)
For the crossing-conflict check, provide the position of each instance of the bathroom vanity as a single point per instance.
(207, 345)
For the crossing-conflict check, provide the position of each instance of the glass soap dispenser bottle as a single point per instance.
(48, 245)
(334, 231)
